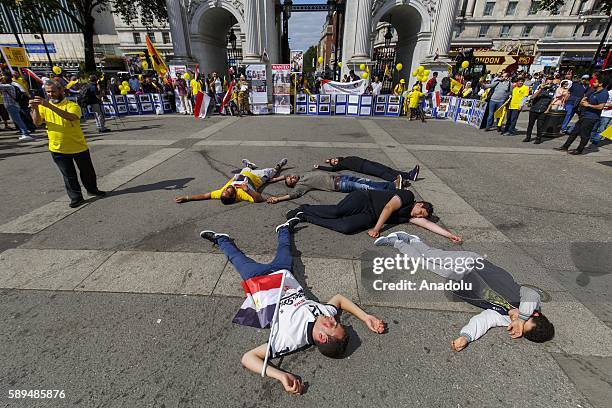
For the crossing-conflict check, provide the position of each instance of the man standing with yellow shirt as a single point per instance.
(244, 186)
(66, 141)
(520, 92)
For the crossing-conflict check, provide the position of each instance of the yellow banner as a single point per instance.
(16, 57)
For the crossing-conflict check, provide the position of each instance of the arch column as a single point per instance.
(469, 11)
(443, 27)
(361, 11)
(178, 28)
(252, 32)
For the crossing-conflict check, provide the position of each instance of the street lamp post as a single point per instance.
(601, 43)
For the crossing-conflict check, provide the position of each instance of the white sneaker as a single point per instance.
(249, 164)
(26, 138)
(404, 236)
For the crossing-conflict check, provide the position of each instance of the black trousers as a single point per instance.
(533, 117)
(583, 128)
(375, 169)
(65, 163)
(353, 214)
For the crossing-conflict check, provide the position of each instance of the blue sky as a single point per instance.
(305, 28)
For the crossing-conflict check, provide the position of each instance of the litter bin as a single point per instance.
(552, 123)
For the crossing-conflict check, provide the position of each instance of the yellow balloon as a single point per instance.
(320, 60)
(145, 65)
(186, 75)
(399, 66)
(414, 73)
(340, 64)
(365, 75)
(422, 78)
(465, 64)
(362, 67)
(426, 72)
(125, 83)
(124, 92)
(57, 70)
(140, 77)
(420, 69)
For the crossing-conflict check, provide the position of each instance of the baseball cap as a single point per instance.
(585, 76)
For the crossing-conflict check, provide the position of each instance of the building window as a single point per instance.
(488, 9)
(137, 39)
(556, 10)
(550, 28)
(588, 30)
(151, 36)
(504, 31)
(166, 37)
(533, 8)
(576, 30)
(458, 30)
(511, 9)
(600, 29)
(484, 29)
(582, 7)
(527, 30)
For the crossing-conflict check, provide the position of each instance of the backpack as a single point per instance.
(445, 84)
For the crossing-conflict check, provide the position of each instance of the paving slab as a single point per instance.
(47, 268)
(156, 272)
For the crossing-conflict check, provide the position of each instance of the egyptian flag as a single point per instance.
(227, 97)
(262, 294)
(202, 101)
(32, 75)
(158, 61)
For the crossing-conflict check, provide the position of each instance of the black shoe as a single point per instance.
(489, 129)
(98, 193)
(560, 148)
(292, 213)
(212, 236)
(290, 224)
(538, 141)
(414, 173)
(105, 130)
(76, 203)
(527, 140)
(575, 152)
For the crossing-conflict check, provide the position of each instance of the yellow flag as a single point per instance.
(607, 133)
(455, 86)
(158, 61)
(387, 71)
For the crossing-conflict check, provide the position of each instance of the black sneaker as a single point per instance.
(290, 224)
(300, 216)
(575, 152)
(282, 163)
(98, 193)
(527, 140)
(292, 213)
(76, 203)
(560, 149)
(414, 173)
(212, 236)
(105, 130)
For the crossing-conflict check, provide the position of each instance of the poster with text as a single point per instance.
(256, 76)
(297, 60)
(281, 86)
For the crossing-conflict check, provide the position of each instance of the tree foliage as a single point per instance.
(309, 56)
(606, 5)
(83, 14)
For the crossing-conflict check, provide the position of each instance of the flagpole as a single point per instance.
(274, 321)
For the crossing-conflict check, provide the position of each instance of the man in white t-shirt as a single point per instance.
(301, 322)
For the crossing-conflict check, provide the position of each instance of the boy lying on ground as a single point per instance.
(244, 186)
(492, 288)
(301, 322)
(369, 167)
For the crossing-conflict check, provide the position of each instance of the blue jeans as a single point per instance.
(493, 106)
(14, 112)
(512, 117)
(248, 268)
(352, 183)
(569, 114)
(600, 127)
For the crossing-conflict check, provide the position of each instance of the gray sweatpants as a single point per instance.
(421, 249)
(98, 112)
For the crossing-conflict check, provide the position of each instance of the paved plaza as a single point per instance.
(121, 304)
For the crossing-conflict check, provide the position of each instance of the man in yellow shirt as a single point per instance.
(520, 92)
(413, 99)
(66, 141)
(244, 186)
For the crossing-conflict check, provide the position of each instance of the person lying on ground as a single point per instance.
(369, 167)
(372, 209)
(301, 322)
(506, 303)
(345, 183)
(244, 186)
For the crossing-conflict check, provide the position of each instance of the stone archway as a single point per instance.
(209, 26)
(412, 21)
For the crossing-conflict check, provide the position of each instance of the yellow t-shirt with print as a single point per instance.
(241, 195)
(64, 136)
(518, 93)
(195, 87)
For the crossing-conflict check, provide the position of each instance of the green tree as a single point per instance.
(83, 14)
(310, 57)
(606, 5)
